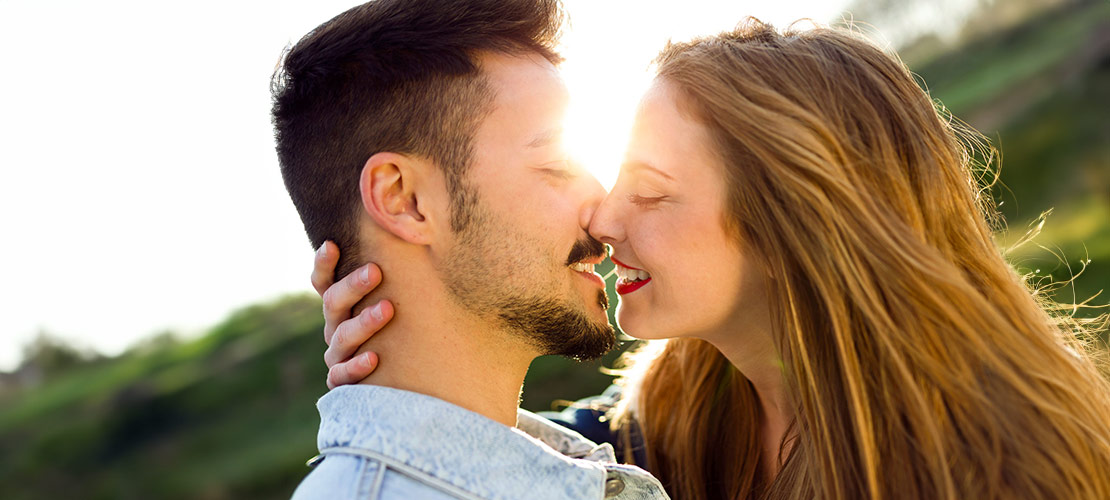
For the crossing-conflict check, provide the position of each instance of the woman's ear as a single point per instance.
(392, 188)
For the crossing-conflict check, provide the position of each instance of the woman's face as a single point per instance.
(680, 273)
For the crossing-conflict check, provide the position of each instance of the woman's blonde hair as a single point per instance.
(919, 363)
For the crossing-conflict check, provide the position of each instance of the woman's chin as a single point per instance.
(637, 327)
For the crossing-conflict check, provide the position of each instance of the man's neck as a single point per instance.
(434, 347)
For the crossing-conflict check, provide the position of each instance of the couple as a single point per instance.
(793, 214)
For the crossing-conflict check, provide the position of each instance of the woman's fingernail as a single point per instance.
(322, 250)
(364, 275)
(376, 311)
(366, 360)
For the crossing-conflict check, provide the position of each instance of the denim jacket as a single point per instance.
(383, 443)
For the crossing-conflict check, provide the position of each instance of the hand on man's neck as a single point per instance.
(434, 347)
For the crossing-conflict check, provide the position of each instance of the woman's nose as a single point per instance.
(604, 224)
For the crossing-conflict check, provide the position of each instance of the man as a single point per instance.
(426, 134)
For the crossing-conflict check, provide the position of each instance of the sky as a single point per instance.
(140, 190)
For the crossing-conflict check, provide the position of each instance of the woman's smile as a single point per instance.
(630, 279)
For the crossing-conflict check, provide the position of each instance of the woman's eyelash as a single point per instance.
(644, 200)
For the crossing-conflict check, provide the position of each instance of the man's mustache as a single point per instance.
(585, 249)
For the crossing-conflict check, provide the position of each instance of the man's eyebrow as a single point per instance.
(545, 138)
(634, 166)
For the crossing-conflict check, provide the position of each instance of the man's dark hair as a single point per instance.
(399, 76)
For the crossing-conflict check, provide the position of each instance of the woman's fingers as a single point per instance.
(352, 371)
(341, 297)
(343, 333)
(323, 266)
(352, 333)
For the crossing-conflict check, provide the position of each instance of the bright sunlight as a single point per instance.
(608, 51)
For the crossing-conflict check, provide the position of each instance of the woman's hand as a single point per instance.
(342, 333)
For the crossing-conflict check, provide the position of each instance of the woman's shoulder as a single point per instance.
(590, 418)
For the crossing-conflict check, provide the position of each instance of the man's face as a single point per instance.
(513, 263)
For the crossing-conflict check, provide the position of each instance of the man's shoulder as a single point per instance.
(378, 442)
(358, 478)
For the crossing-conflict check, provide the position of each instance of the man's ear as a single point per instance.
(393, 187)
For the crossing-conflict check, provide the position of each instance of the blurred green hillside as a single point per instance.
(231, 414)
(1041, 93)
(228, 415)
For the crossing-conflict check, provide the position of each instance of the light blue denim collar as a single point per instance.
(464, 448)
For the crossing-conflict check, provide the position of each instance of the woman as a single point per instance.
(807, 229)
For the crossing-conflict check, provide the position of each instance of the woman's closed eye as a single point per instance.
(644, 201)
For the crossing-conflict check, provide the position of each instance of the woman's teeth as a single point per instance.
(582, 267)
(629, 275)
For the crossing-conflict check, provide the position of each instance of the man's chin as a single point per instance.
(591, 344)
(560, 329)
(597, 336)
(596, 312)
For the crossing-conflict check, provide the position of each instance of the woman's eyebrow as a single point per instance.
(635, 166)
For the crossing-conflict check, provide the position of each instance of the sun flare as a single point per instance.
(609, 48)
(597, 127)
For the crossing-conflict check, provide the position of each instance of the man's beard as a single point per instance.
(486, 264)
(554, 328)
(557, 329)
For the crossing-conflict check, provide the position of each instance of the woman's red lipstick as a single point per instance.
(625, 287)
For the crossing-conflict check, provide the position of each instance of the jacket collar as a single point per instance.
(461, 447)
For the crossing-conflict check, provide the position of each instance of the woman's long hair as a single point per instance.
(919, 363)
